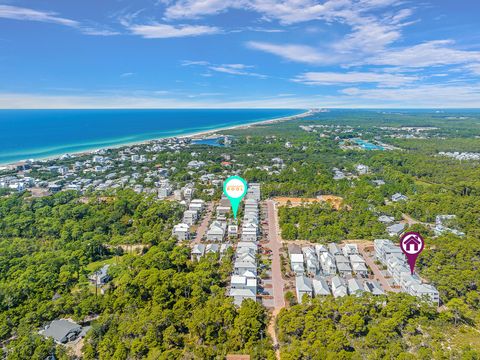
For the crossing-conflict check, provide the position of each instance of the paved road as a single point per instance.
(376, 270)
(203, 227)
(278, 284)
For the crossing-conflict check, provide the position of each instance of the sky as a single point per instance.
(239, 54)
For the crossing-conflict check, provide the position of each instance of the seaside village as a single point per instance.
(208, 227)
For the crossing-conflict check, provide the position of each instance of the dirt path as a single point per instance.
(278, 283)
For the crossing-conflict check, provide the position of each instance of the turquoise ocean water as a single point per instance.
(27, 134)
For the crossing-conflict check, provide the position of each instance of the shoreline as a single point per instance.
(192, 136)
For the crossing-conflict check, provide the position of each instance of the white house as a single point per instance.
(216, 231)
(355, 287)
(339, 287)
(320, 286)
(190, 217)
(296, 263)
(198, 251)
(181, 231)
(399, 197)
(303, 285)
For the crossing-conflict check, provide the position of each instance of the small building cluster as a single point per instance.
(325, 270)
(243, 283)
(441, 226)
(190, 217)
(462, 156)
(393, 258)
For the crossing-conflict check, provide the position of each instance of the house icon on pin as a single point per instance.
(412, 244)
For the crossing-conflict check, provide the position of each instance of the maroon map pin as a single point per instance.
(412, 245)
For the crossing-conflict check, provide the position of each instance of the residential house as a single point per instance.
(239, 295)
(320, 286)
(101, 276)
(212, 249)
(362, 169)
(355, 287)
(350, 249)
(334, 249)
(303, 285)
(62, 331)
(190, 217)
(399, 197)
(395, 229)
(327, 263)
(296, 263)
(232, 231)
(198, 251)
(386, 219)
(373, 287)
(216, 231)
(181, 231)
(319, 249)
(339, 287)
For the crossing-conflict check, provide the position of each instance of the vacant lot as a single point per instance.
(335, 201)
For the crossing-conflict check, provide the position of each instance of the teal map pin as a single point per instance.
(235, 189)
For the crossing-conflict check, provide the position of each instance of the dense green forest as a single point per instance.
(158, 303)
(367, 327)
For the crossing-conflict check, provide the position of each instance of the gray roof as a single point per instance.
(373, 287)
(320, 286)
(396, 228)
(303, 283)
(60, 329)
(355, 286)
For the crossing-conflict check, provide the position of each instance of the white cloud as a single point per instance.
(163, 31)
(370, 31)
(474, 68)
(196, 8)
(236, 69)
(420, 96)
(25, 14)
(19, 13)
(232, 69)
(335, 78)
(431, 53)
(431, 96)
(293, 52)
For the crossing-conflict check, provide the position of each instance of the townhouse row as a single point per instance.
(327, 260)
(243, 283)
(391, 256)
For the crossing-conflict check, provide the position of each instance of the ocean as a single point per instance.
(34, 134)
